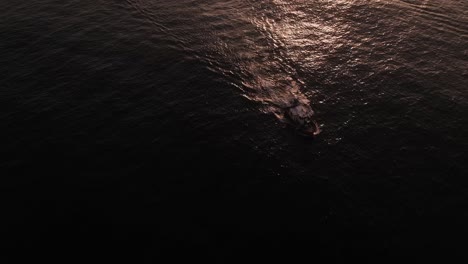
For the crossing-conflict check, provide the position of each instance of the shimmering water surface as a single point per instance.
(165, 112)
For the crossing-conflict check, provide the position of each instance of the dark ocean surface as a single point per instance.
(141, 129)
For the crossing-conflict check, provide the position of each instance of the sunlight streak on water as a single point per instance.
(330, 55)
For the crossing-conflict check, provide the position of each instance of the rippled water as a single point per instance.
(340, 55)
(221, 93)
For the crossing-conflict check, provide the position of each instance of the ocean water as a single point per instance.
(154, 126)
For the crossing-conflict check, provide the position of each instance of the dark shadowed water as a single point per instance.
(147, 128)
